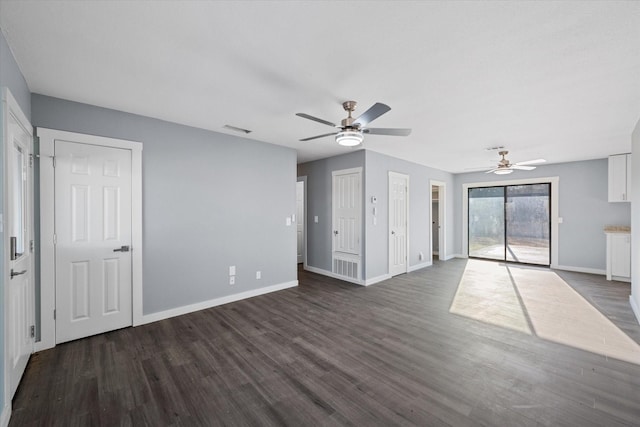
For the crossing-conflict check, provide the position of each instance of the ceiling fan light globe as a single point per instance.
(349, 138)
(503, 171)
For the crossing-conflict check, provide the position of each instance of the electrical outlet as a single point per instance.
(258, 275)
(232, 280)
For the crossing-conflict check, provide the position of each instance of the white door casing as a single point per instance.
(79, 252)
(300, 220)
(93, 237)
(442, 221)
(398, 223)
(18, 244)
(347, 224)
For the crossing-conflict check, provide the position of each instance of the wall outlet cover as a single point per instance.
(232, 280)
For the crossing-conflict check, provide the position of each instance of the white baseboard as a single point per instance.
(634, 307)
(161, 315)
(451, 256)
(6, 415)
(378, 279)
(334, 275)
(419, 266)
(579, 269)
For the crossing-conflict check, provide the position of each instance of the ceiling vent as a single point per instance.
(237, 129)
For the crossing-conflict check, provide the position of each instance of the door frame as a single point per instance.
(442, 219)
(303, 179)
(406, 230)
(343, 256)
(555, 220)
(47, 138)
(11, 107)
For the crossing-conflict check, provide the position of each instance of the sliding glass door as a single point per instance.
(511, 223)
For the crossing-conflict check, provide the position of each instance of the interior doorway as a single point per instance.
(398, 223)
(437, 219)
(91, 248)
(301, 220)
(435, 222)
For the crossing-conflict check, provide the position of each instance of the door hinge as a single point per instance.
(55, 239)
(53, 159)
(54, 314)
(31, 244)
(30, 160)
(33, 331)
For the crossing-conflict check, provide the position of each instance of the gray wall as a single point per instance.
(582, 205)
(376, 169)
(377, 236)
(10, 77)
(210, 200)
(635, 225)
(318, 191)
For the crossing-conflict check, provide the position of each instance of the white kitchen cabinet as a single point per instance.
(619, 256)
(620, 178)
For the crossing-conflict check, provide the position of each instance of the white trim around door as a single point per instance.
(47, 225)
(442, 220)
(398, 223)
(555, 184)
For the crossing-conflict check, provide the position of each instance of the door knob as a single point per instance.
(17, 273)
(393, 232)
(122, 249)
(335, 232)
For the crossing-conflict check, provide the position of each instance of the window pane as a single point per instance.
(486, 222)
(528, 222)
(17, 197)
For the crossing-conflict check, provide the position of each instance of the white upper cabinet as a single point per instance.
(620, 178)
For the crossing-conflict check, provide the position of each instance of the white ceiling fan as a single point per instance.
(505, 166)
(351, 130)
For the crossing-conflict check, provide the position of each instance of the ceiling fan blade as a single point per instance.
(315, 119)
(492, 170)
(530, 162)
(372, 113)
(387, 131)
(318, 136)
(522, 167)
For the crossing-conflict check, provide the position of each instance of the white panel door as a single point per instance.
(300, 219)
(398, 204)
(347, 197)
(93, 238)
(19, 214)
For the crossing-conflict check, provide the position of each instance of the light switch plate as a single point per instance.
(288, 221)
(315, 219)
(232, 270)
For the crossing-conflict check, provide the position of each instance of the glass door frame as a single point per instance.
(554, 182)
(552, 214)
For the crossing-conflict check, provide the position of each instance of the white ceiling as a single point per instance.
(554, 80)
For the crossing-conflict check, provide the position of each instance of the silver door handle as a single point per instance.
(393, 232)
(17, 273)
(122, 249)
(335, 232)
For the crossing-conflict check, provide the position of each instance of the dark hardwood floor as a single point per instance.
(332, 353)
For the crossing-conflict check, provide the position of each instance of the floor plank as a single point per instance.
(332, 353)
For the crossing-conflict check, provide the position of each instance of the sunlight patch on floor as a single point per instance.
(537, 301)
(486, 293)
